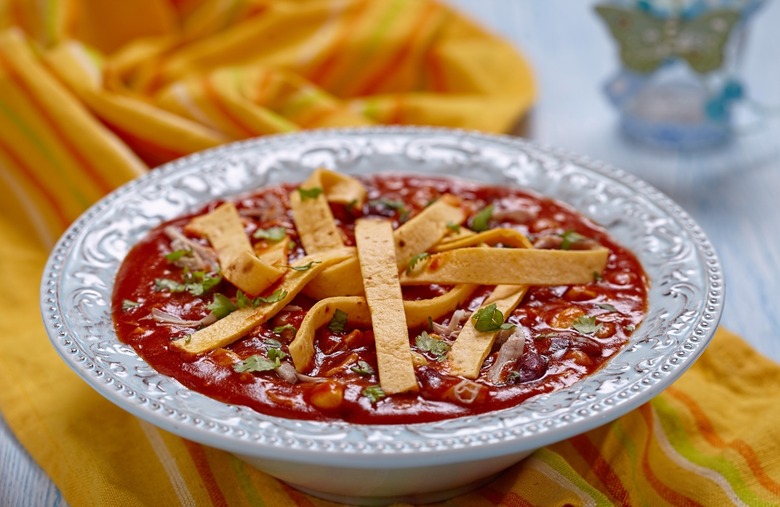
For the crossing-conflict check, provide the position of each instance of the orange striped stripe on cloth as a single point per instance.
(94, 92)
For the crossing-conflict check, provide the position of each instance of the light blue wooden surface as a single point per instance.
(733, 192)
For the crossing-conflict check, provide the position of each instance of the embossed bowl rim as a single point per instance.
(685, 301)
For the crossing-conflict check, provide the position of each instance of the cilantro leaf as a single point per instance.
(362, 368)
(275, 354)
(373, 393)
(277, 296)
(286, 327)
(608, 307)
(338, 322)
(177, 254)
(452, 226)
(414, 260)
(481, 221)
(128, 304)
(309, 193)
(222, 306)
(490, 318)
(274, 344)
(586, 325)
(305, 267)
(435, 346)
(166, 284)
(272, 234)
(570, 237)
(196, 283)
(244, 301)
(255, 363)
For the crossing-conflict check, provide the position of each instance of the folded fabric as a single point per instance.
(95, 92)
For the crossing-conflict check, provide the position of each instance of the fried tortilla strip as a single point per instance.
(314, 220)
(224, 230)
(302, 346)
(275, 253)
(509, 266)
(376, 253)
(503, 236)
(426, 229)
(229, 329)
(471, 347)
(423, 231)
(417, 314)
(419, 311)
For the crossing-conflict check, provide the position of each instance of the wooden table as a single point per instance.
(733, 192)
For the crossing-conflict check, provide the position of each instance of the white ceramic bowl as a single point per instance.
(382, 463)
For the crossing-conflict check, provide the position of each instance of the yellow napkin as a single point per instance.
(93, 92)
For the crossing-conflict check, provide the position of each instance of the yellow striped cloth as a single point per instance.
(94, 92)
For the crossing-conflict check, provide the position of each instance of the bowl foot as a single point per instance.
(423, 498)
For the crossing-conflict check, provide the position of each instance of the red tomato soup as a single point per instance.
(561, 333)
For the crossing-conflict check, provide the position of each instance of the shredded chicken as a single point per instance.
(201, 258)
(167, 318)
(453, 326)
(271, 208)
(511, 350)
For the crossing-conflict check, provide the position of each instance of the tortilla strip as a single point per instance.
(417, 314)
(471, 347)
(504, 236)
(313, 218)
(420, 233)
(376, 253)
(509, 266)
(426, 229)
(419, 311)
(229, 329)
(302, 346)
(225, 231)
(275, 253)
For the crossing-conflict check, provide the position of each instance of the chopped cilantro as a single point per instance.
(128, 304)
(414, 260)
(188, 338)
(608, 307)
(244, 301)
(481, 221)
(586, 325)
(305, 267)
(362, 368)
(452, 226)
(597, 276)
(338, 322)
(286, 327)
(397, 206)
(385, 203)
(435, 346)
(256, 362)
(490, 318)
(272, 234)
(222, 306)
(177, 254)
(166, 284)
(196, 283)
(570, 237)
(309, 193)
(274, 344)
(373, 393)
(277, 296)
(350, 206)
(276, 354)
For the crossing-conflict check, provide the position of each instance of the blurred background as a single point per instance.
(729, 189)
